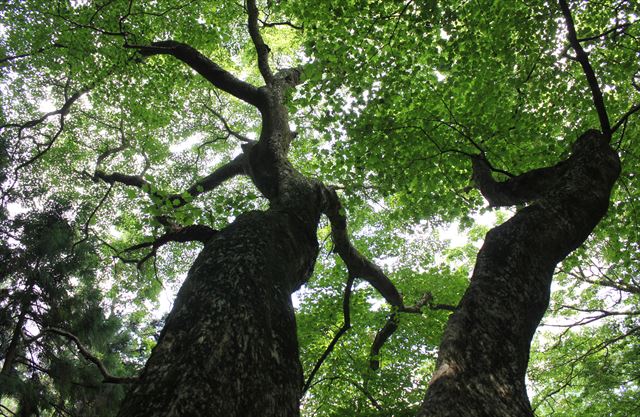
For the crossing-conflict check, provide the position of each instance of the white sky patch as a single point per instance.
(440, 76)
(188, 143)
(114, 232)
(47, 106)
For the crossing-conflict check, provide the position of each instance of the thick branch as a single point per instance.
(583, 59)
(215, 74)
(519, 189)
(92, 358)
(261, 48)
(227, 171)
(357, 265)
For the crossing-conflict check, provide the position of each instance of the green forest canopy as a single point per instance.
(396, 97)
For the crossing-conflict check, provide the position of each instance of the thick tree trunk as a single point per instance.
(485, 349)
(229, 346)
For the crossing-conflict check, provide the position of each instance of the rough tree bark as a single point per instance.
(485, 349)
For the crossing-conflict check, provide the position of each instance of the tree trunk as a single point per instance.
(229, 346)
(485, 349)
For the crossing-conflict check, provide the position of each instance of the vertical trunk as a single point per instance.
(12, 349)
(229, 346)
(485, 349)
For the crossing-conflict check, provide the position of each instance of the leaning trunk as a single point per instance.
(485, 349)
(229, 345)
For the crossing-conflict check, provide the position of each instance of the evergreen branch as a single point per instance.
(583, 59)
(261, 48)
(346, 325)
(211, 71)
(108, 378)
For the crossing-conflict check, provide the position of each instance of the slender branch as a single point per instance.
(93, 213)
(196, 232)
(622, 28)
(108, 378)
(284, 23)
(583, 59)
(634, 109)
(228, 128)
(261, 48)
(346, 312)
(211, 71)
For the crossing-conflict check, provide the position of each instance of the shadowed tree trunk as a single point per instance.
(485, 349)
(229, 346)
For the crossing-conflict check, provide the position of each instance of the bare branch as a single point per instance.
(211, 71)
(108, 378)
(583, 59)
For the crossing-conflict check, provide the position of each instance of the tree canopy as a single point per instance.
(126, 128)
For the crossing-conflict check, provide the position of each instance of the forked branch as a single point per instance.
(192, 233)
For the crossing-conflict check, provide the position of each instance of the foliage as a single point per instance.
(397, 96)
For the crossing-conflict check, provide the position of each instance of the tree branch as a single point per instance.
(519, 189)
(622, 28)
(357, 265)
(346, 312)
(391, 325)
(226, 126)
(583, 59)
(108, 378)
(261, 48)
(196, 232)
(211, 71)
(634, 109)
